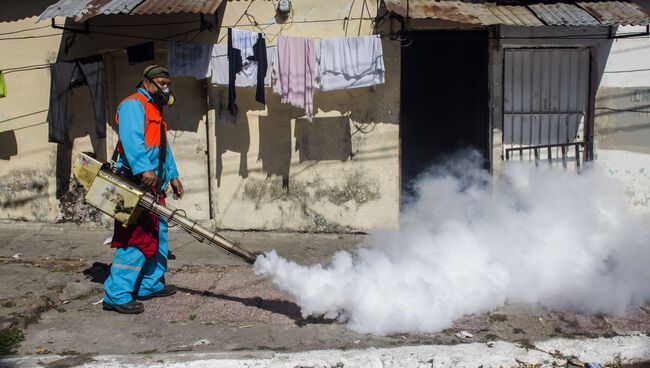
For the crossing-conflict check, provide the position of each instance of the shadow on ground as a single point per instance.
(283, 307)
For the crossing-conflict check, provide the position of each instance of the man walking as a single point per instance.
(140, 260)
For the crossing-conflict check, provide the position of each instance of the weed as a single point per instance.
(10, 338)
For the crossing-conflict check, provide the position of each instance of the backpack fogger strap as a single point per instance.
(162, 157)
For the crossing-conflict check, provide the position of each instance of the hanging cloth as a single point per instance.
(220, 72)
(297, 71)
(219, 66)
(65, 75)
(3, 85)
(272, 75)
(350, 62)
(140, 53)
(246, 56)
(189, 59)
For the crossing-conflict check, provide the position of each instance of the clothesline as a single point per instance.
(294, 68)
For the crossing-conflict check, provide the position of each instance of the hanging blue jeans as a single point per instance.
(130, 267)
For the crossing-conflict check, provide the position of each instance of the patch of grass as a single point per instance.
(192, 317)
(518, 330)
(492, 337)
(10, 338)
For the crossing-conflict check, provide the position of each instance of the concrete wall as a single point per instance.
(275, 170)
(270, 169)
(27, 161)
(622, 117)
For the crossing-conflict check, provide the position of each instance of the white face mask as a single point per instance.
(165, 90)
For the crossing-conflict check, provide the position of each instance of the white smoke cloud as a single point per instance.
(470, 242)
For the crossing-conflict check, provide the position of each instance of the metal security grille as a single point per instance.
(545, 101)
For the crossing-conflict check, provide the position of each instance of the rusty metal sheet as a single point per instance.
(82, 10)
(617, 13)
(483, 13)
(177, 6)
(562, 14)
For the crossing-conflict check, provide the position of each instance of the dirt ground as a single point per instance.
(52, 283)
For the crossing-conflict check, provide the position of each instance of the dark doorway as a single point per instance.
(444, 99)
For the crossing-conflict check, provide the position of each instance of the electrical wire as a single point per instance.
(24, 30)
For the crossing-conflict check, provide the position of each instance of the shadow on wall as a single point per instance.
(81, 123)
(13, 10)
(189, 109)
(8, 145)
(120, 82)
(324, 138)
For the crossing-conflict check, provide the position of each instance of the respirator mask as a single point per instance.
(162, 97)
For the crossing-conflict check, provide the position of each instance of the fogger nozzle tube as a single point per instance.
(149, 202)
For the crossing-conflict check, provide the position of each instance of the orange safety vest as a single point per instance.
(153, 122)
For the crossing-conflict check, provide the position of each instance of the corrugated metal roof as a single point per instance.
(613, 13)
(465, 12)
(561, 14)
(119, 6)
(84, 9)
(532, 14)
(177, 6)
(65, 8)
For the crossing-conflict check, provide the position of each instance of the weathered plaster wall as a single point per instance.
(275, 170)
(27, 161)
(25, 152)
(622, 117)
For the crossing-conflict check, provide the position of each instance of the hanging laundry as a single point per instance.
(246, 56)
(244, 41)
(220, 75)
(350, 62)
(140, 53)
(65, 75)
(259, 56)
(189, 59)
(297, 71)
(272, 75)
(3, 86)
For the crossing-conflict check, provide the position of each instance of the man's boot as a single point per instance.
(168, 290)
(131, 307)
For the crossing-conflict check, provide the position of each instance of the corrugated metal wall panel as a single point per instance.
(545, 95)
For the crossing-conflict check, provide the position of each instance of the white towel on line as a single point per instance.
(350, 62)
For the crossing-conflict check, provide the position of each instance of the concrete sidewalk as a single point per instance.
(51, 284)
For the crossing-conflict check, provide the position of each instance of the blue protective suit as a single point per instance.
(130, 268)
